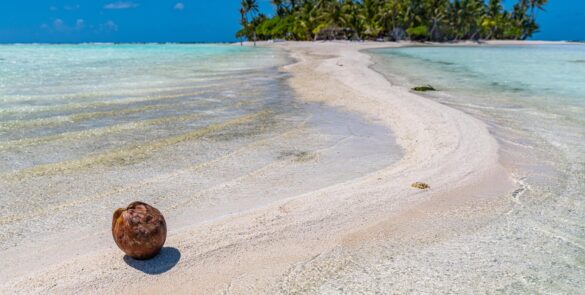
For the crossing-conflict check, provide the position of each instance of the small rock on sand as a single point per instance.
(420, 185)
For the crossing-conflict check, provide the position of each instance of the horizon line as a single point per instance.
(220, 42)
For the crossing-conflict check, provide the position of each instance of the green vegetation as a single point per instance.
(424, 88)
(421, 20)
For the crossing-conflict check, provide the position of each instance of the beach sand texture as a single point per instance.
(374, 233)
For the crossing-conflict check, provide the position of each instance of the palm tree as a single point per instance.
(436, 15)
(371, 16)
(390, 19)
(353, 18)
(493, 19)
(437, 20)
(293, 4)
(306, 21)
(250, 7)
(475, 10)
(243, 22)
(524, 23)
(536, 4)
(330, 15)
(280, 7)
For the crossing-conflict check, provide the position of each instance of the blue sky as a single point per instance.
(562, 20)
(185, 20)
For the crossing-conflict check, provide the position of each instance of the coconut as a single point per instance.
(139, 230)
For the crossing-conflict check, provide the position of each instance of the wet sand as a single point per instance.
(364, 234)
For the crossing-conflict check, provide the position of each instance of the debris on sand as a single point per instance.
(420, 185)
(424, 88)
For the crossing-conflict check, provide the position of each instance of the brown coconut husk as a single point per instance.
(139, 230)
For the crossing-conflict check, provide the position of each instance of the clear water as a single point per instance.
(533, 100)
(200, 131)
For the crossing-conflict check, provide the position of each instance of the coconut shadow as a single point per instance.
(166, 259)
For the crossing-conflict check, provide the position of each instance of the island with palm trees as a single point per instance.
(346, 147)
(392, 20)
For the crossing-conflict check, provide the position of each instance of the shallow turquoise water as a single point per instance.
(53, 65)
(200, 131)
(32, 77)
(533, 100)
(124, 94)
(540, 70)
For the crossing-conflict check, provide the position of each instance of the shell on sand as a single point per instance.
(139, 230)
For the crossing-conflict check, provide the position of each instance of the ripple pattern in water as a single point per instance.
(200, 131)
(533, 99)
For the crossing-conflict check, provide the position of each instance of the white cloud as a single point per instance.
(80, 24)
(121, 5)
(59, 25)
(179, 6)
(109, 26)
(71, 7)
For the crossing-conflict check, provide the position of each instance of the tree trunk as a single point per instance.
(431, 36)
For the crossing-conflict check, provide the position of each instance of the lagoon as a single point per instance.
(532, 97)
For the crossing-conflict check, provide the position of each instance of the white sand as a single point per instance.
(351, 237)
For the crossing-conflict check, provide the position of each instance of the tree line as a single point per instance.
(392, 20)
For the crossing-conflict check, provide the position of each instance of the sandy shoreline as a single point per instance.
(332, 237)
